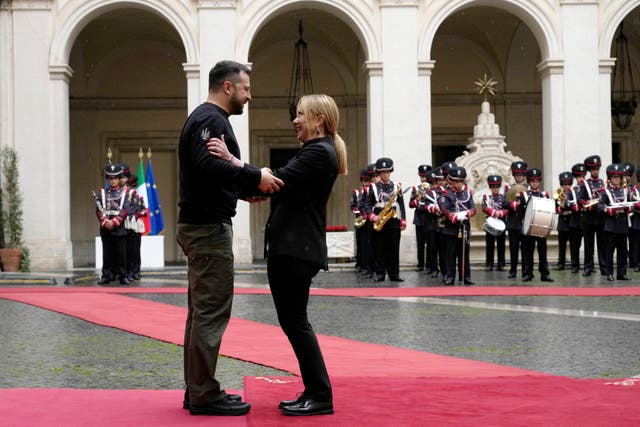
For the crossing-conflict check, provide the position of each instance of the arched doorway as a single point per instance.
(128, 91)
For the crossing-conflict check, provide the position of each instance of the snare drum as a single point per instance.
(539, 217)
(494, 226)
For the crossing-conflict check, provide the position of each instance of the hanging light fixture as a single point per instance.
(300, 74)
(623, 97)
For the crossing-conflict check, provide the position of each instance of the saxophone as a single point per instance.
(387, 211)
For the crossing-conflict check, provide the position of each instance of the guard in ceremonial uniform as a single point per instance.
(367, 229)
(575, 220)
(534, 176)
(436, 216)
(493, 207)
(514, 219)
(112, 209)
(385, 209)
(593, 219)
(431, 210)
(418, 202)
(564, 210)
(627, 184)
(634, 230)
(457, 206)
(359, 219)
(135, 228)
(615, 207)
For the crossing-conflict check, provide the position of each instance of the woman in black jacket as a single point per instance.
(295, 242)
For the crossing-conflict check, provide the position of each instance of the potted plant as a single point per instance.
(12, 252)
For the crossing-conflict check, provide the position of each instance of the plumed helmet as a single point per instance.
(113, 170)
(592, 162)
(423, 169)
(494, 180)
(579, 170)
(615, 169)
(519, 167)
(534, 174)
(384, 164)
(458, 173)
(565, 178)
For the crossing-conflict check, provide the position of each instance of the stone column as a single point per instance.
(604, 112)
(424, 111)
(192, 73)
(556, 153)
(375, 123)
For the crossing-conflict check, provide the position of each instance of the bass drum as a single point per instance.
(494, 226)
(539, 217)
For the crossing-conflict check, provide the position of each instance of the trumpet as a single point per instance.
(421, 190)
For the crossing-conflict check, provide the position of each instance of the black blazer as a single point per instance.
(297, 222)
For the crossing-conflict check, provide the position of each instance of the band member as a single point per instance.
(514, 220)
(432, 212)
(575, 220)
(385, 209)
(359, 219)
(135, 228)
(634, 230)
(367, 229)
(457, 206)
(593, 220)
(439, 220)
(564, 209)
(614, 204)
(493, 207)
(534, 176)
(629, 168)
(112, 209)
(445, 168)
(418, 202)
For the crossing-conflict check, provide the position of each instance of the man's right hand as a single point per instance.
(269, 183)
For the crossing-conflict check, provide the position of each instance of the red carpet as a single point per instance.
(98, 408)
(507, 401)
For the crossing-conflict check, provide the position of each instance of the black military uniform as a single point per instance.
(458, 207)
(438, 251)
(514, 220)
(431, 210)
(386, 241)
(593, 220)
(135, 228)
(530, 242)
(575, 220)
(368, 254)
(493, 206)
(359, 219)
(615, 229)
(564, 211)
(418, 202)
(629, 168)
(112, 209)
(634, 230)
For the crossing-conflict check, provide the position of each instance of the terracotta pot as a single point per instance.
(11, 259)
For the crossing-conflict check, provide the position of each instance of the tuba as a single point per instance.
(387, 211)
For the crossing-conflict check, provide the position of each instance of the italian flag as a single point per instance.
(142, 192)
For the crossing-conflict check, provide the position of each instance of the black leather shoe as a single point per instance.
(587, 273)
(574, 270)
(224, 406)
(435, 274)
(379, 278)
(610, 278)
(104, 282)
(636, 269)
(428, 271)
(623, 278)
(447, 282)
(137, 277)
(527, 278)
(187, 405)
(512, 274)
(396, 279)
(125, 281)
(419, 268)
(469, 282)
(284, 403)
(489, 268)
(560, 267)
(308, 407)
(500, 268)
(547, 279)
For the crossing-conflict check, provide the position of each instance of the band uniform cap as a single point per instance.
(458, 173)
(629, 168)
(565, 178)
(447, 166)
(384, 164)
(125, 169)
(423, 169)
(579, 169)
(437, 173)
(534, 174)
(364, 173)
(494, 180)
(593, 161)
(615, 169)
(113, 169)
(431, 176)
(638, 174)
(371, 169)
(519, 167)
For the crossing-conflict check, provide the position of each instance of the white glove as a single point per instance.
(461, 216)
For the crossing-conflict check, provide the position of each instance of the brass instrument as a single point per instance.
(387, 211)
(514, 192)
(559, 196)
(422, 188)
(359, 221)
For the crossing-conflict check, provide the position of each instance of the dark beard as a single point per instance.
(236, 105)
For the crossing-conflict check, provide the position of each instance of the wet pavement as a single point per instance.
(581, 337)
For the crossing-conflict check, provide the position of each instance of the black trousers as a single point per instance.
(421, 242)
(442, 252)
(114, 257)
(134, 241)
(617, 243)
(634, 247)
(594, 237)
(453, 256)
(432, 250)
(515, 238)
(563, 238)
(574, 247)
(289, 280)
(361, 243)
(491, 242)
(528, 245)
(387, 250)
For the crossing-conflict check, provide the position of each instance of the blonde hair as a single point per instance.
(323, 105)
